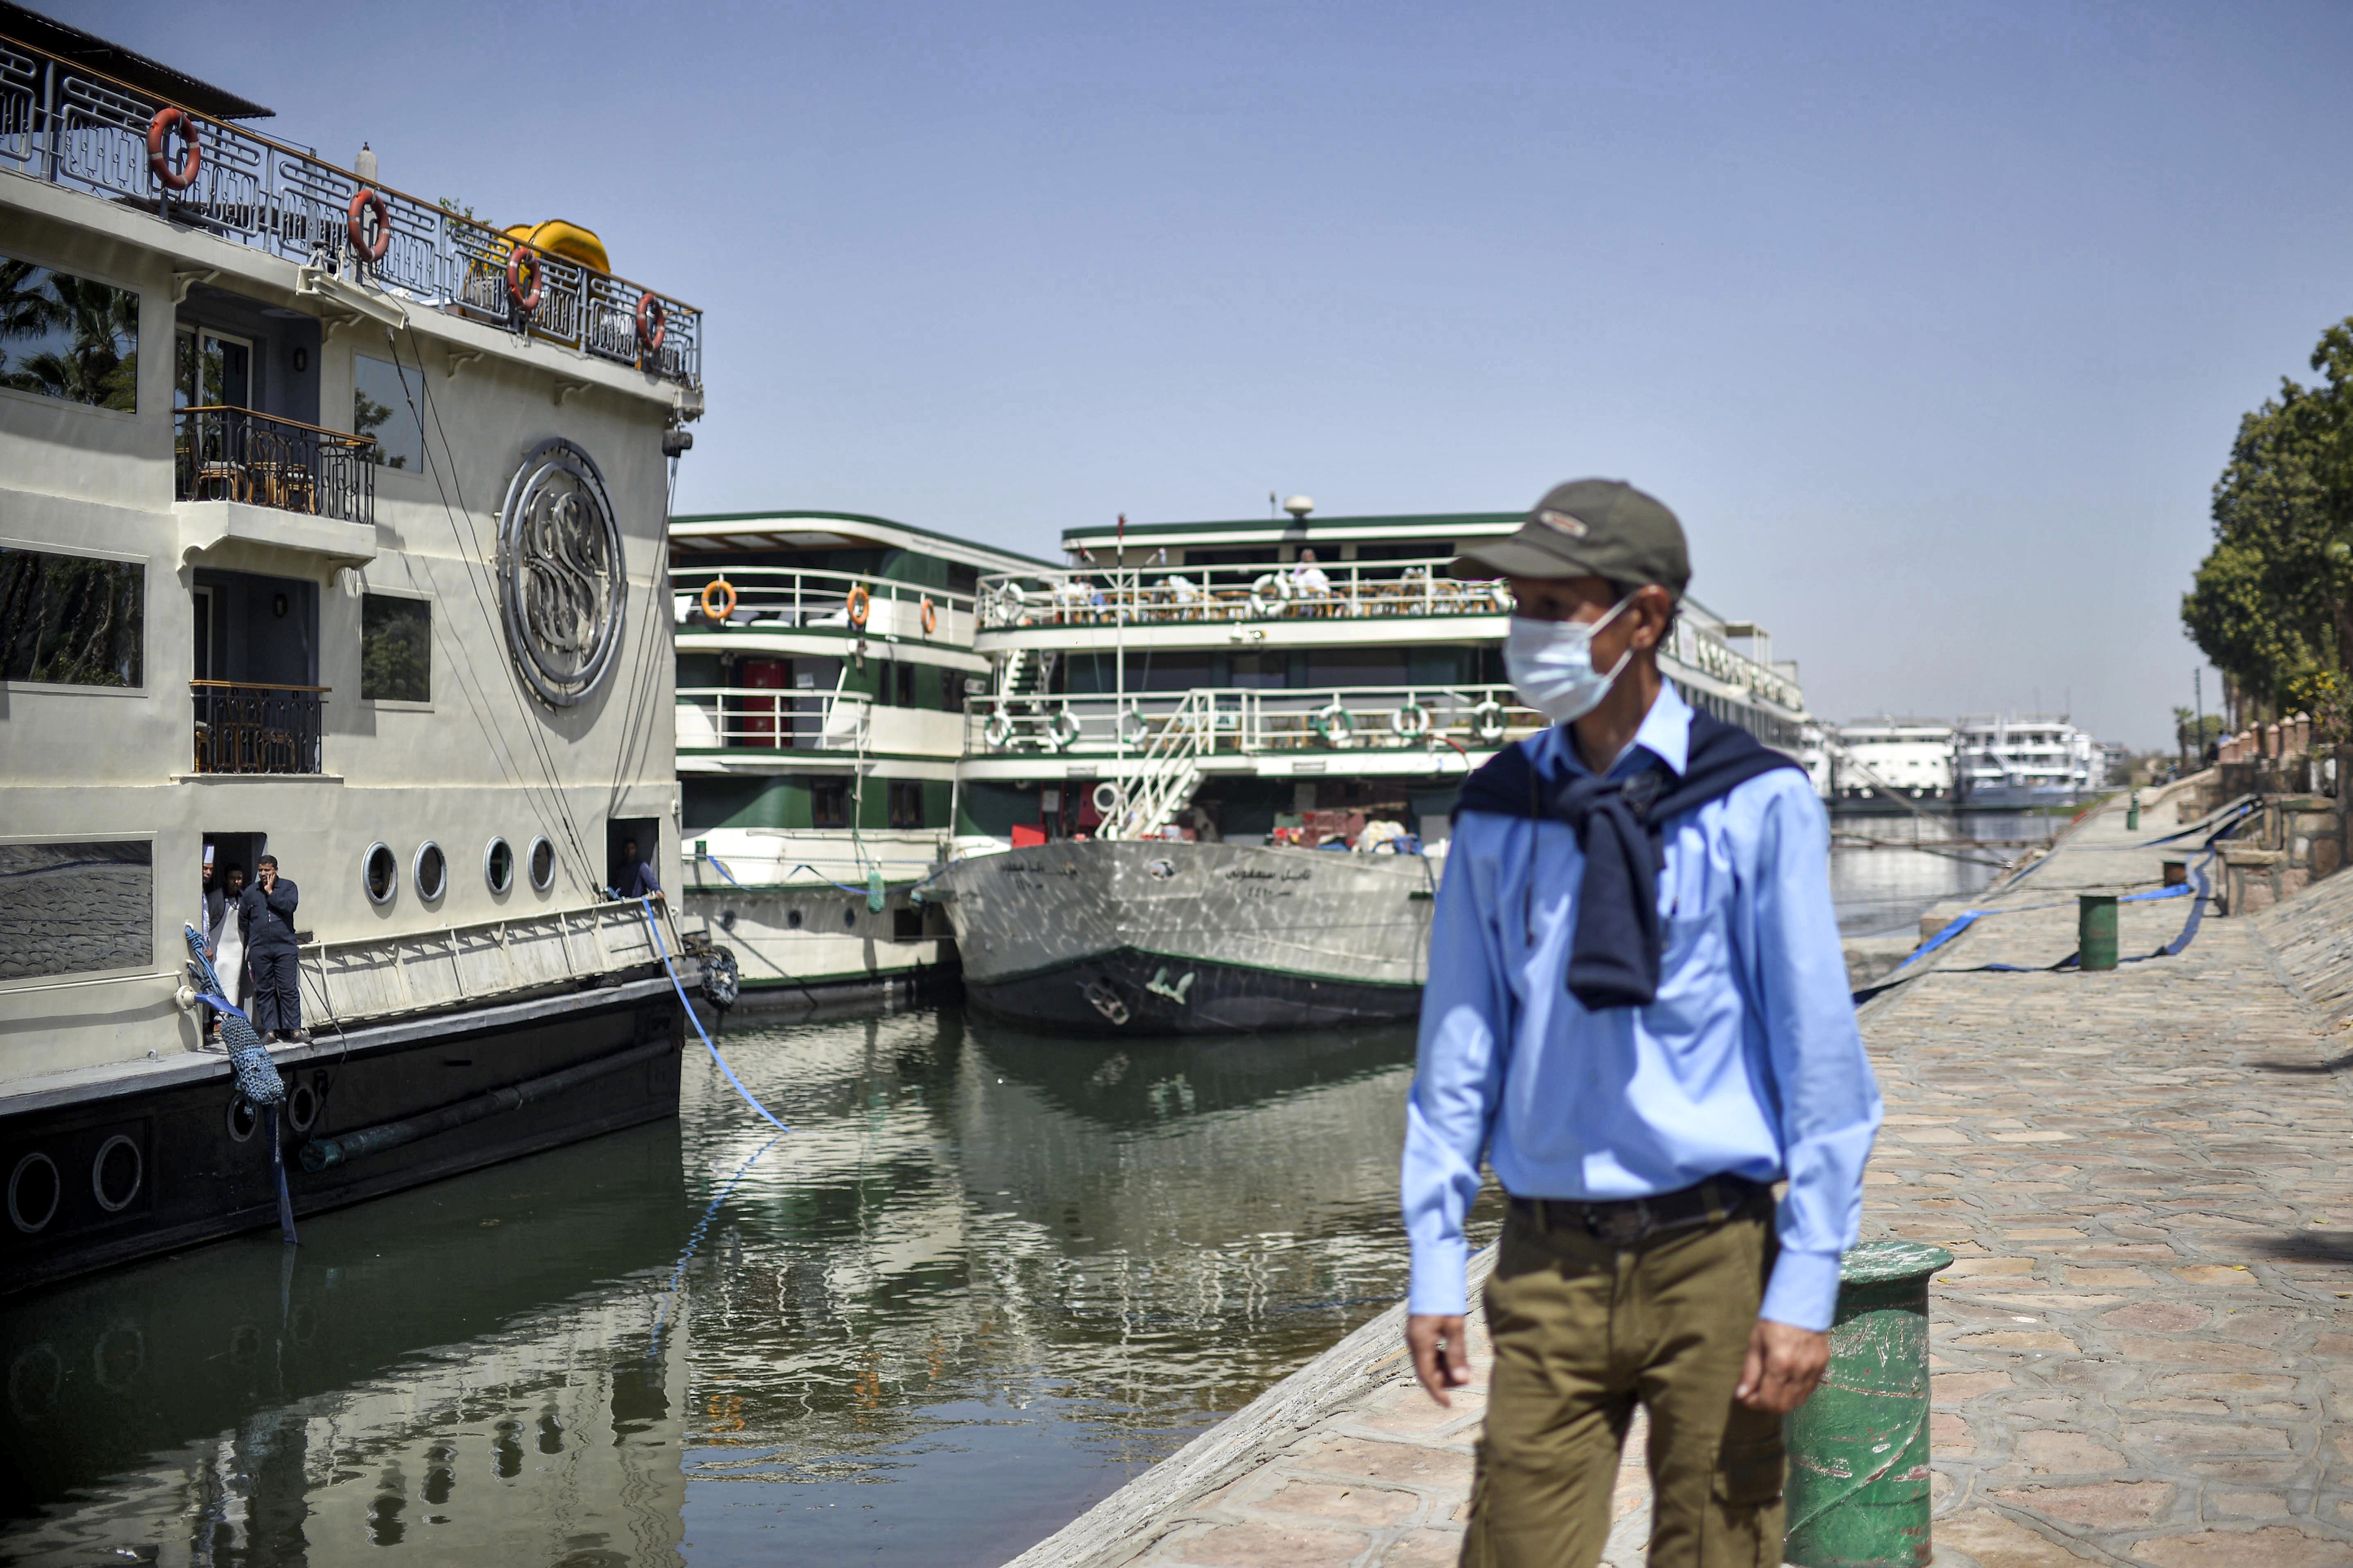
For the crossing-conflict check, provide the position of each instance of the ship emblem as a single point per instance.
(1158, 986)
(561, 590)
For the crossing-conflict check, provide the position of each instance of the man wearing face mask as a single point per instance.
(1638, 1014)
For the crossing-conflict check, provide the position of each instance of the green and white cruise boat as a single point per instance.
(823, 663)
(1187, 725)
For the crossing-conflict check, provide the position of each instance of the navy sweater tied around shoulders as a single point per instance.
(1613, 959)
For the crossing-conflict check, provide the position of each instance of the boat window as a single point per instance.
(213, 370)
(396, 648)
(432, 871)
(96, 904)
(70, 619)
(386, 408)
(381, 873)
(498, 866)
(542, 864)
(829, 803)
(907, 803)
(69, 338)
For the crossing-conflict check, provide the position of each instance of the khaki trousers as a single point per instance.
(1583, 1331)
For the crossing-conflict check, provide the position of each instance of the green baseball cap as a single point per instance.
(1589, 528)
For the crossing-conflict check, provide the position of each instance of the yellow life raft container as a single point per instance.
(569, 240)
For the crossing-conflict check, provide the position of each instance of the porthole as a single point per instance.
(301, 1106)
(498, 866)
(242, 1119)
(431, 871)
(792, 919)
(33, 1190)
(115, 1174)
(850, 917)
(542, 864)
(381, 873)
(120, 1357)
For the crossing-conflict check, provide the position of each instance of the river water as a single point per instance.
(987, 1278)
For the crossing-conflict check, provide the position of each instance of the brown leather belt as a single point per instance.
(1624, 1222)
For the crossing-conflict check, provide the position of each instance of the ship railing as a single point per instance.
(1246, 722)
(452, 966)
(787, 598)
(65, 123)
(1703, 650)
(245, 727)
(1150, 791)
(714, 718)
(234, 454)
(1263, 591)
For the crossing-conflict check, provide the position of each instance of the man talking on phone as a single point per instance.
(266, 915)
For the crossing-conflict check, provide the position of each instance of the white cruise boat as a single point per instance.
(823, 665)
(2009, 762)
(1885, 763)
(331, 525)
(1188, 724)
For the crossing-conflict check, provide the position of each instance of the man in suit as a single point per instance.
(266, 915)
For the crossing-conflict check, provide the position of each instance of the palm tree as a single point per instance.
(98, 364)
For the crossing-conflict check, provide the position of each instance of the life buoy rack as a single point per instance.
(1410, 721)
(861, 607)
(521, 259)
(1487, 722)
(1063, 730)
(931, 615)
(356, 226)
(724, 591)
(999, 731)
(1333, 725)
(1269, 593)
(159, 134)
(653, 323)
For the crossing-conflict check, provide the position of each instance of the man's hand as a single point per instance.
(1439, 1357)
(1783, 1366)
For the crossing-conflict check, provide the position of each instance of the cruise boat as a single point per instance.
(1204, 788)
(1890, 764)
(331, 526)
(2009, 762)
(823, 665)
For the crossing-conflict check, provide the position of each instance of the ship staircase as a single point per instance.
(1153, 786)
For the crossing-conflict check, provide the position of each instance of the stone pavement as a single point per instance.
(2142, 1354)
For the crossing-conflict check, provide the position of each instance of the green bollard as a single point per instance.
(2095, 931)
(2132, 813)
(1858, 1487)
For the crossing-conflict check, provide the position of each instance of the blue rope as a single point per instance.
(812, 870)
(694, 1239)
(671, 969)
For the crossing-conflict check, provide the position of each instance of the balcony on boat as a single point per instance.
(67, 124)
(248, 728)
(770, 599)
(237, 455)
(739, 717)
(1449, 721)
(1265, 591)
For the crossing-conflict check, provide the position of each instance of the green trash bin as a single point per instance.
(1858, 1486)
(2095, 931)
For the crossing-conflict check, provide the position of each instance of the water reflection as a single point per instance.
(1883, 879)
(987, 1276)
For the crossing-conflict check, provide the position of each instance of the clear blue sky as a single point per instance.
(1934, 323)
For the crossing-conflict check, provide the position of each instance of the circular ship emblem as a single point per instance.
(561, 586)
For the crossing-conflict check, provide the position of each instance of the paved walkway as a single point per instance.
(2144, 1353)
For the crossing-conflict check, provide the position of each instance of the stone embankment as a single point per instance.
(2144, 1352)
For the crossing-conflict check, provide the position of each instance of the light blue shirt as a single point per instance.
(1749, 1061)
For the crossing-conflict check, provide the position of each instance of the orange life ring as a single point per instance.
(361, 201)
(649, 336)
(861, 603)
(159, 131)
(516, 260)
(726, 605)
(931, 615)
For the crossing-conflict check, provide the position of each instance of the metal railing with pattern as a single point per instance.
(74, 127)
(234, 454)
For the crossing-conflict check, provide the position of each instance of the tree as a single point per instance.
(2272, 604)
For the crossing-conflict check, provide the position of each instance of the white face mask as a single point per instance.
(1551, 663)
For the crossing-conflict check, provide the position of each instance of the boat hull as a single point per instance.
(1181, 939)
(203, 1171)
